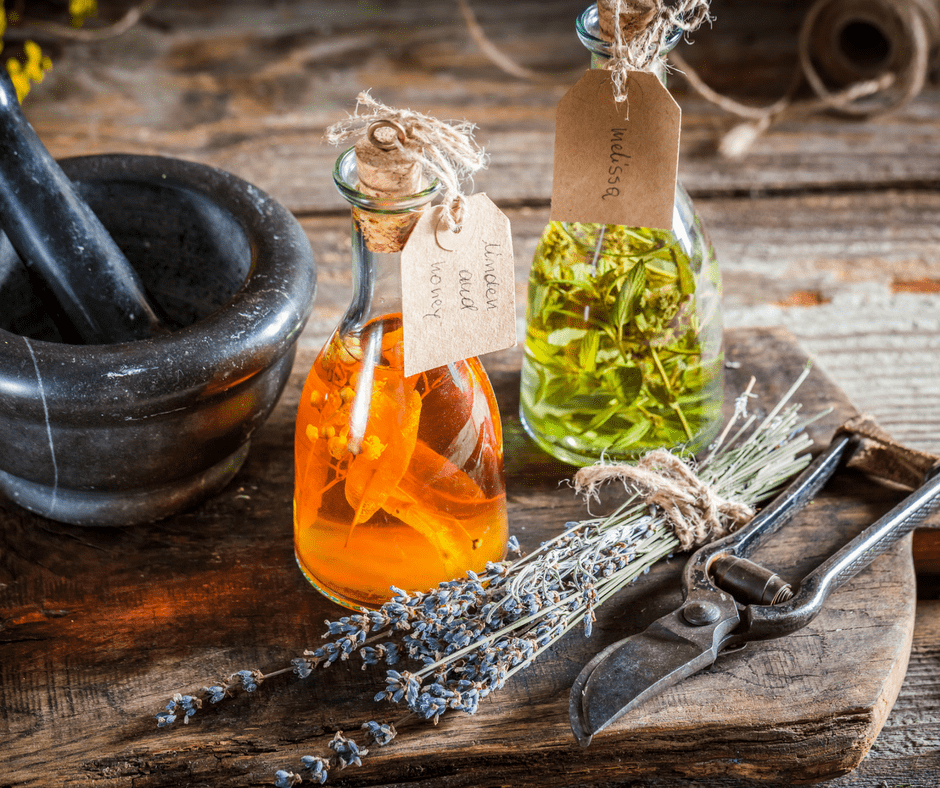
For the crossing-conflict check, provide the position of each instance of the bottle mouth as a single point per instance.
(346, 178)
(588, 27)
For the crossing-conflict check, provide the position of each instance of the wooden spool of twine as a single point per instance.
(844, 42)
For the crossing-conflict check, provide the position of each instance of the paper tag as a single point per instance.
(611, 168)
(457, 301)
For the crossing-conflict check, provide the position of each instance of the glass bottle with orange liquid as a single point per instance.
(398, 480)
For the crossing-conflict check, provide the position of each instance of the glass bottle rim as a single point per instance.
(346, 179)
(588, 27)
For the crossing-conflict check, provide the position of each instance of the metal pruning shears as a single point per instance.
(729, 600)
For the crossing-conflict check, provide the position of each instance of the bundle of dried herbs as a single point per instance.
(467, 637)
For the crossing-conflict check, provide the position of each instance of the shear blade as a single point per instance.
(629, 672)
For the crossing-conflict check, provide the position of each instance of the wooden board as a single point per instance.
(99, 627)
(828, 227)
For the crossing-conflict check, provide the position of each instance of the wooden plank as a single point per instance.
(250, 88)
(101, 626)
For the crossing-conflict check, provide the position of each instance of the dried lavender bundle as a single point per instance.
(467, 637)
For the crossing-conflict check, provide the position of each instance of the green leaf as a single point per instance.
(634, 435)
(588, 402)
(604, 416)
(540, 352)
(629, 296)
(686, 278)
(558, 391)
(627, 382)
(562, 336)
(587, 354)
(537, 296)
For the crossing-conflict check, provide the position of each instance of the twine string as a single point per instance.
(697, 513)
(446, 151)
(916, 16)
(641, 50)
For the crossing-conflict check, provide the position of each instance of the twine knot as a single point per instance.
(446, 151)
(641, 31)
(697, 513)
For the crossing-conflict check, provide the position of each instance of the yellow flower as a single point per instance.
(33, 70)
(337, 446)
(80, 10)
(372, 447)
(312, 433)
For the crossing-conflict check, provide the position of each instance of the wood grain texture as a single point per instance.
(829, 228)
(250, 87)
(101, 627)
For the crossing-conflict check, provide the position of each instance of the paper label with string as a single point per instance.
(458, 289)
(616, 163)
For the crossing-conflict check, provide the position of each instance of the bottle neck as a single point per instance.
(589, 31)
(380, 228)
(376, 275)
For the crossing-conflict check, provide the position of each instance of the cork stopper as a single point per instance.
(445, 153)
(635, 17)
(386, 172)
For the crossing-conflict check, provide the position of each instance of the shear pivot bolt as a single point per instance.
(698, 614)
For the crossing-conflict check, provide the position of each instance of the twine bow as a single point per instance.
(697, 513)
(446, 151)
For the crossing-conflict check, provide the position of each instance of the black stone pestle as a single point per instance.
(57, 237)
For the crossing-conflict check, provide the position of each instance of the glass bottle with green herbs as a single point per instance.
(623, 348)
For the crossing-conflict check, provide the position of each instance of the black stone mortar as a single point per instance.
(134, 432)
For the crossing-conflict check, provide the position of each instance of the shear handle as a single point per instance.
(696, 578)
(762, 622)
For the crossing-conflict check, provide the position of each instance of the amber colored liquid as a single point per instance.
(399, 481)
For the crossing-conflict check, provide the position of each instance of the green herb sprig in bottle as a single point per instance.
(623, 346)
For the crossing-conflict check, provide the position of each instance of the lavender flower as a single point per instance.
(250, 679)
(216, 693)
(347, 751)
(381, 734)
(285, 779)
(317, 767)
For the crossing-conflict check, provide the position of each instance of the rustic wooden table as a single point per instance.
(828, 228)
